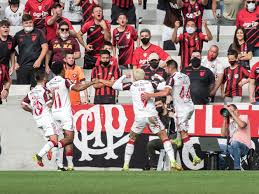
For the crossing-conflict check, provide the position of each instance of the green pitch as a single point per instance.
(85, 182)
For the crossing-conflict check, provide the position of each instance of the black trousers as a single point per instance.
(104, 100)
(25, 76)
(130, 13)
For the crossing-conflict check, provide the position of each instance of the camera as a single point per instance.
(224, 112)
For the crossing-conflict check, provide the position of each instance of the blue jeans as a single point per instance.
(236, 150)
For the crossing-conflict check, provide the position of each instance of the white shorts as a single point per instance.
(183, 115)
(140, 123)
(48, 126)
(65, 121)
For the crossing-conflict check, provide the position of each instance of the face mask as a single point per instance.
(106, 63)
(251, 7)
(190, 30)
(28, 29)
(145, 40)
(64, 36)
(196, 62)
(232, 63)
(153, 64)
(159, 109)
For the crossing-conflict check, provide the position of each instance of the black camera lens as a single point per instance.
(224, 112)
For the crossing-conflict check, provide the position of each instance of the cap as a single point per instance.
(153, 56)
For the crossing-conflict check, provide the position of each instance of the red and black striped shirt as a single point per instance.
(87, 9)
(232, 77)
(124, 4)
(106, 73)
(149, 73)
(254, 74)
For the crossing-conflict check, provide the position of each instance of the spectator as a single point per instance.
(76, 74)
(235, 77)
(32, 48)
(190, 40)
(248, 19)
(237, 129)
(87, 7)
(254, 84)
(242, 47)
(62, 44)
(193, 9)
(124, 6)
(52, 22)
(107, 46)
(7, 53)
(153, 69)
(14, 12)
(229, 9)
(39, 10)
(214, 64)
(72, 11)
(124, 37)
(105, 94)
(202, 82)
(98, 30)
(141, 54)
(5, 82)
(173, 14)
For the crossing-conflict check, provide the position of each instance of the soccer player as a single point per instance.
(123, 37)
(145, 114)
(178, 85)
(38, 102)
(61, 108)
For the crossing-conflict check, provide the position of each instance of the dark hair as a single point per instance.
(233, 52)
(235, 45)
(62, 23)
(145, 30)
(107, 43)
(4, 23)
(196, 51)
(57, 67)
(172, 63)
(39, 74)
(69, 52)
(122, 14)
(191, 20)
(162, 98)
(105, 52)
(96, 6)
(26, 17)
(233, 106)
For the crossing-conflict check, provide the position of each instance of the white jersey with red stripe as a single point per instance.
(38, 99)
(61, 88)
(141, 107)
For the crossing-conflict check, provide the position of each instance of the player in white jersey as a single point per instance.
(178, 85)
(61, 109)
(38, 102)
(145, 114)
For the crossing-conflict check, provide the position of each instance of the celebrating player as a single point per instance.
(178, 85)
(38, 102)
(145, 114)
(61, 108)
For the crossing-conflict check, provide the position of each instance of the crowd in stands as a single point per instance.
(48, 37)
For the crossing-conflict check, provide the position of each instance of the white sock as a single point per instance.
(70, 161)
(128, 152)
(47, 147)
(189, 146)
(169, 150)
(57, 157)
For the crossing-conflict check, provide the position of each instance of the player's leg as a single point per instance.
(69, 149)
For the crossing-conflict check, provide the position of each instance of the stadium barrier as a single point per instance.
(102, 133)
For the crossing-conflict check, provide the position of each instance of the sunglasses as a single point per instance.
(64, 29)
(250, 1)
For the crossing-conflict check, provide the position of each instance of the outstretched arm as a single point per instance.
(165, 92)
(81, 87)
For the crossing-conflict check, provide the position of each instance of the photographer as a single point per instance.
(165, 112)
(237, 129)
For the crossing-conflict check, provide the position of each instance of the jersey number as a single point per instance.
(57, 101)
(38, 108)
(182, 95)
(143, 100)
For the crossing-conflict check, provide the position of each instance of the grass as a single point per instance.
(101, 182)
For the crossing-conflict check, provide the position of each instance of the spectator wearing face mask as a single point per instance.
(107, 46)
(235, 76)
(248, 18)
(202, 81)
(141, 54)
(62, 44)
(212, 62)
(190, 40)
(105, 94)
(153, 70)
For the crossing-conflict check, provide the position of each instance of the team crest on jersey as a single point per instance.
(213, 66)
(257, 70)
(69, 41)
(145, 54)
(128, 35)
(236, 76)
(40, 7)
(33, 37)
(91, 29)
(202, 73)
(74, 75)
(9, 45)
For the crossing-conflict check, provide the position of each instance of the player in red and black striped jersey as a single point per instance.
(98, 30)
(254, 84)
(124, 37)
(248, 18)
(190, 40)
(235, 77)
(87, 7)
(106, 71)
(39, 10)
